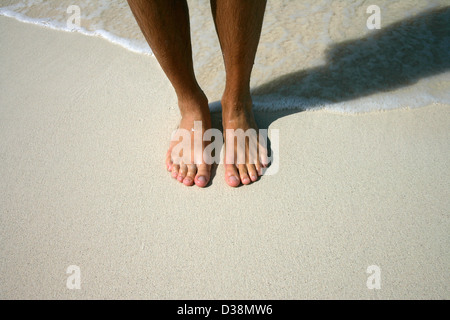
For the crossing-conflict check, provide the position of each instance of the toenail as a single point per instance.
(202, 179)
(233, 179)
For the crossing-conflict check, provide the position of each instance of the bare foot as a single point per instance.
(245, 161)
(193, 170)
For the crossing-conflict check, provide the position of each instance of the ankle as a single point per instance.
(235, 105)
(195, 104)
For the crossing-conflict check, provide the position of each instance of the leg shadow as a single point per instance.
(398, 55)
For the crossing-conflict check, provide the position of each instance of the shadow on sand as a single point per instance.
(396, 56)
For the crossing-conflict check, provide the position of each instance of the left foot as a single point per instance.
(242, 165)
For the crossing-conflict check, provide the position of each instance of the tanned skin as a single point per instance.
(165, 25)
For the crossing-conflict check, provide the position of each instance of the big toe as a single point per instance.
(232, 176)
(203, 175)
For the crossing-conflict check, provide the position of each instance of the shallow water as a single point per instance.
(312, 54)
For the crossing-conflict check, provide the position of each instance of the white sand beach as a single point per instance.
(84, 127)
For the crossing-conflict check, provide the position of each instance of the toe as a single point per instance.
(203, 175)
(190, 175)
(243, 174)
(182, 173)
(175, 170)
(263, 156)
(231, 175)
(258, 168)
(251, 170)
(169, 163)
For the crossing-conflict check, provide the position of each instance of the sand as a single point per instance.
(84, 127)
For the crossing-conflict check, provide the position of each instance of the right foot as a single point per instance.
(191, 172)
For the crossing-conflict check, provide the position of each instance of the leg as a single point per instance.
(165, 25)
(238, 25)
